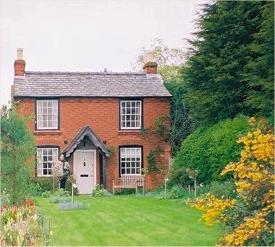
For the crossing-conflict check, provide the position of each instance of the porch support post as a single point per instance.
(104, 160)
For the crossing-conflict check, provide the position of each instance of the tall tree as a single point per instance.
(17, 147)
(214, 75)
(259, 72)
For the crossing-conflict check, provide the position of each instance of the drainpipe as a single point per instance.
(104, 162)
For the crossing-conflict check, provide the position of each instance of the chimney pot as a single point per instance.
(19, 53)
(150, 68)
(19, 63)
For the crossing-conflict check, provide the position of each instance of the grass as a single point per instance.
(128, 221)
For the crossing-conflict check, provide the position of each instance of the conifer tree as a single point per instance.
(217, 76)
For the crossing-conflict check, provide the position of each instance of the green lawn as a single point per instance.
(128, 221)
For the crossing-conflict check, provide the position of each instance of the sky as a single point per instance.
(88, 35)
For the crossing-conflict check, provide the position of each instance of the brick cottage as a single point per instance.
(104, 123)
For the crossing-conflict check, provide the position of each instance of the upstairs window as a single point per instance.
(130, 114)
(130, 160)
(46, 159)
(47, 114)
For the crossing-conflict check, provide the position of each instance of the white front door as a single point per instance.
(85, 170)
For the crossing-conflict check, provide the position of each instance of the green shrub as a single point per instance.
(175, 192)
(68, 187)
(99, 191)
(126, 191)
(172, 192)
(46, 194)
(209, 150)
(179, 175)
(61, 193)
(60, 196)
(220, 189)
(45, 184)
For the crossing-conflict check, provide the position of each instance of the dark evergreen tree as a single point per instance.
(259, 72)
(216, 73)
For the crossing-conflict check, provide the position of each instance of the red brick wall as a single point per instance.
(102, 115)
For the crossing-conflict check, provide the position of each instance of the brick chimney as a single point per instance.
(150, 68)
(19, 63)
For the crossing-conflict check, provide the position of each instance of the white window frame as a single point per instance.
(130, 160)
(130, 114)
(47, 114)
(47, 157)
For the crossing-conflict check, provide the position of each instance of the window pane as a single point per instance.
(130, 160)
(45, 160)
(47, 114)
(130, 114)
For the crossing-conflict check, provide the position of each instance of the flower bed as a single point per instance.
(22, 225)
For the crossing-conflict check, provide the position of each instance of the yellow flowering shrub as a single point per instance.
(249, 218)
(213, 208)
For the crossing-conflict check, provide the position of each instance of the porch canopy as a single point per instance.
(87, 131)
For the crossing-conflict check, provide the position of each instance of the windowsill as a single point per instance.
(129, 132)
(47, 132)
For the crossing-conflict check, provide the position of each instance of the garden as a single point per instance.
(222, 142)
(102, 219)
(236, 205)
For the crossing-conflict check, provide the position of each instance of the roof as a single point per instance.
(82, 84)
(85, 131)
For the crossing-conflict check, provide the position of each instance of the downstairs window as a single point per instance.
(130, 160)
(46, 158)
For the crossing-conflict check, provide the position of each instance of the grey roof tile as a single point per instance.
(82, 84)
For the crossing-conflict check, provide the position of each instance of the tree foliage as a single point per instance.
(209, 150)
(248, 219)
(17, 148)
(181, 124)
(234, 39)
(259, 72)
(169, 60)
